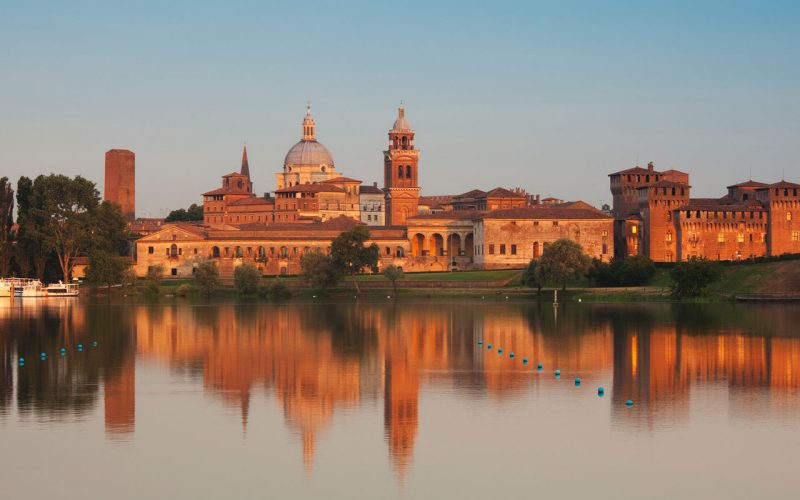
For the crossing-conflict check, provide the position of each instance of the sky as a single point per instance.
(550, 96)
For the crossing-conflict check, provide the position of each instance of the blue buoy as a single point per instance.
(511, 355)
(600, 391)
(629, 403)
(577, 381)
(94, 344)
(558, 373)
(539, 367)
(488, 346)
(499, 350)
(21, 359)
(524, 361)
(480, 342)
(80, 347)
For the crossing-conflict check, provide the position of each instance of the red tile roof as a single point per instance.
(547, 213)
(255, 200)
(341, 180)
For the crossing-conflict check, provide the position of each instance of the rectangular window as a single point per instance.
(150, 249)
(174, 271)
(795, 235)
(513, 249)
(555, 222)
(491, 248)
(605, 248)
(536, 223)
(721, 238)
(502, 249)
(740, 238)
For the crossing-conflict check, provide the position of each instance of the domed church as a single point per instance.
(308, 161)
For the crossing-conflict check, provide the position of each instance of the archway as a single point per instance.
(469, 245)
(454, 245)
(418, 245)
(437, 245)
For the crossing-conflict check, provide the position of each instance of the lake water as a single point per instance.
(398, 400)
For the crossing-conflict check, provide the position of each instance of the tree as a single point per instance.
(109, 229)
(350, 256)
(246, 278)
(691, 277)
(393, 273)
(193, 213)
(206, 277)
(634, 270)
(563, 262)
(106, 269)
(30, 254)
(319, 270)
(153, 279)
(6, 223)
(65, 210)
(532, 276)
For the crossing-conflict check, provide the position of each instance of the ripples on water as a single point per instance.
(384, 399)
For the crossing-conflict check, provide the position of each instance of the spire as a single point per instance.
(245, 164)
(308, 125)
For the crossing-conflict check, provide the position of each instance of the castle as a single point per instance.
(312, 203)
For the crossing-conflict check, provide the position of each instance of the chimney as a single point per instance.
(650, 167)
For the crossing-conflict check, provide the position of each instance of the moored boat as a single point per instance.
(61, 290)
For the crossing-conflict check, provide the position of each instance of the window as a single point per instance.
(605, 248)
(669, 236)
(174, 271)
(605, 233)
(536, 223)
(513, 249)
(535, 249)
(215, 252)
(633, 229)
(721, 238)
(669, 257)
(491, 248)
(502, 249)
(400, 172)
(555, 222)
(740, 237)
(150, 250)
(408, 171)
(789, 216)
(795, 235)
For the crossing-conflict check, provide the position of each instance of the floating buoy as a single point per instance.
(488, 346)
(480, 342)
(80, 347)
(21, 359)
(629, 403)
(524, 361)
(94, 344)
(579, 300)
(511, 355)
(558, 373)
(600, 391)
(539, 367)
(499, 350)
(577, 381)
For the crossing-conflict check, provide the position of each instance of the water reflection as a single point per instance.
(316, 360)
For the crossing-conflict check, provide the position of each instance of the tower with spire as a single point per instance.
(246, 168)
(400, 174)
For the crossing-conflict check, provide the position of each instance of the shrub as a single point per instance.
(635, 270)
(206, 278)
(690, 278)
(279, 290)
(319, 270)
(532, 276)
(246, 278)
(185, 290)
(393, 273)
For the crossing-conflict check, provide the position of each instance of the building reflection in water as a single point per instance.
(317, 359)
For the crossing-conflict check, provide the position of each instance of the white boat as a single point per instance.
(6, 288)
(32, 288)
(61, 290)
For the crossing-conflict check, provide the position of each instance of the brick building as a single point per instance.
(120, 181)
(400, 172)
(656, 217)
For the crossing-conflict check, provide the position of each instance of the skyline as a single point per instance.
(498, 96)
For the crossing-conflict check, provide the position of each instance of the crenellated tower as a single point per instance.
(400, 173)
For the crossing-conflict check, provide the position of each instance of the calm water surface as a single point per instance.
(385, 400)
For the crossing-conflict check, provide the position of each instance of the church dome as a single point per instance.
(308, 152)
(401, 124)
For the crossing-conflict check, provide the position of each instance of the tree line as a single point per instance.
(58, 219)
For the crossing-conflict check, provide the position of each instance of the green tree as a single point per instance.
(30, 255)
(246, 278)
(393, 273)
(206, 278)
(691, 277)
(193, 213)
(532, 276)
(109, 229)
(563, 262)
(636, 270)
(351, 256)
(319, 270)
(106, 269)
(66, 211)
(153, 279)
(6, 223)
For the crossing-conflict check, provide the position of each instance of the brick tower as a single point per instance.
(400, 175)
(120, 181)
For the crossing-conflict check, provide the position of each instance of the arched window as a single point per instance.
(789, 216)
(237, 252)
(408, 171)
(261, 253)
(405, 142)
(284, 252)
(669, 236)
(215, 252)
(173, 250)
(400, 172)
(400, 252)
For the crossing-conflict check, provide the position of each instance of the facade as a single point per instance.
(120, 181)
(371, 200)
(656, 217)
(400, 173)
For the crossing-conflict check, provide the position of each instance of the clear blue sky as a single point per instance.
(549, 96)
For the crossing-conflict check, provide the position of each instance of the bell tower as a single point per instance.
(400, 174)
